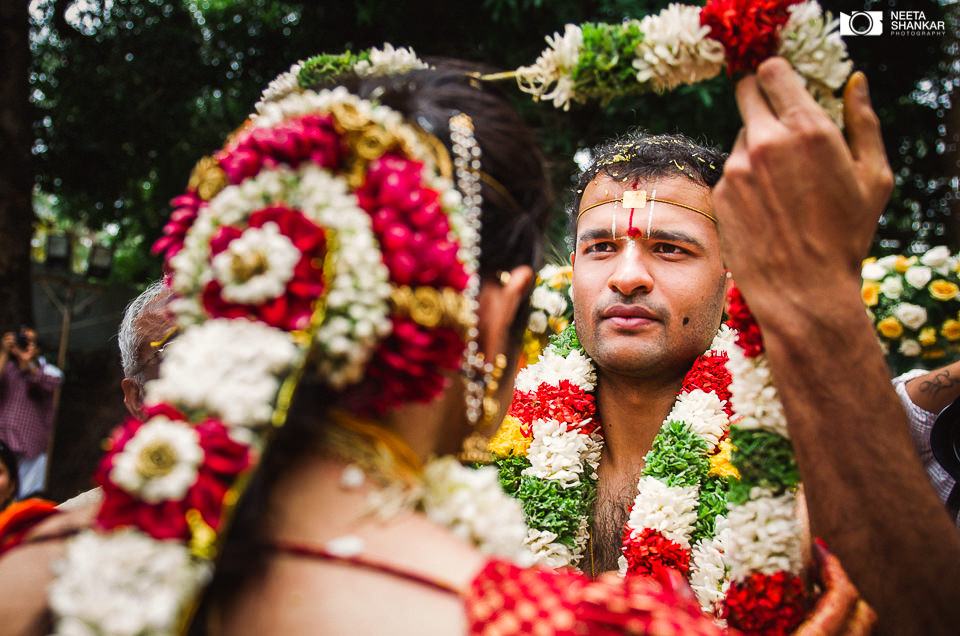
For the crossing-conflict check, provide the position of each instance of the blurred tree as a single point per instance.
(132, 92)
(16, 176)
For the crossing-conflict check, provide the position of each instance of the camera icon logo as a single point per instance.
(861, 23)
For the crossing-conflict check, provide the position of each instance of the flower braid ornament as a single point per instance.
(325, 237)
(688, 44)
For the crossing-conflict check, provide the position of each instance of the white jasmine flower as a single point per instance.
(280, 87)
(552, 367)
(671, 510)
(256, 265)
(555, 453)
(703, 413)
(352, 477)
(551, 76)
(538, 322)
(918, 276)
(708, 574)
(389, 61)
(910, 348)
(676, 50)
(754, 395)
(547, 552)
(873, 271)
(936, 257)
(912, 316)
(123, 584)
(725, 340)
(811, 42)
(473, 505)
(231, 368)
(160, 461)
(762, 535)
(892, 287)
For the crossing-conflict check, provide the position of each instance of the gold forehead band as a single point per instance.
(637, 199)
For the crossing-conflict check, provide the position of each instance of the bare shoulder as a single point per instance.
(25, 574)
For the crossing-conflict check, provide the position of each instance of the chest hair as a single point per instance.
(610, 515)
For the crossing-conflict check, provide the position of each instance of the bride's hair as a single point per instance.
(516, 205)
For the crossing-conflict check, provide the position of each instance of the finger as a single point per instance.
(865, 137)
(753, 106)
(782, 88)
(863, 621)
(833, 609)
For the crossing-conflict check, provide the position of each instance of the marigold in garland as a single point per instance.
(509, 440)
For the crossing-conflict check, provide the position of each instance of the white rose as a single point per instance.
(912, 316)
(873, 271)
(538, 322)
(888, 262)
(910, 348)
(936, 257)
(918, 276)
(892, 287)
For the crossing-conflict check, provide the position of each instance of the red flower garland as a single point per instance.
(709, 374)
(414, 235)
(293, 309)
(767, 604)
(185, 210)
(308, 138)
(224, 459)
(564, 403)
(741, 319)
(748, 29)
(650, 551)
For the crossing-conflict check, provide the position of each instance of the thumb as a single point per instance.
(864, 137)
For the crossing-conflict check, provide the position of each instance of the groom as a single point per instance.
(795, 212)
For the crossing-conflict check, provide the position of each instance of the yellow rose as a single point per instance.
(890, 328)
(943, 290)
(870, 292)
(927, 337)
(903, 263)
(934, 353)
(951, 329)
(867, 261)
(509, 440)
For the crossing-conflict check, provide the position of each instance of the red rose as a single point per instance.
(748, 29)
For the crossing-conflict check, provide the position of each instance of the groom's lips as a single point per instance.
(629, 316)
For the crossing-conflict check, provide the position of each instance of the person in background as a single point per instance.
(9, 480)
(27, 388)
(146, 328)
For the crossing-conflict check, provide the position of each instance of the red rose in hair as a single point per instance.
(223, 460)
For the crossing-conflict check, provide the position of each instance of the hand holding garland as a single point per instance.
(797, 207)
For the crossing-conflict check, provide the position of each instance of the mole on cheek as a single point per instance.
(685, 320)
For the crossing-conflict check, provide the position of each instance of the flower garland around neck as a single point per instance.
(323, 238)
(721, 516)
(688, 44)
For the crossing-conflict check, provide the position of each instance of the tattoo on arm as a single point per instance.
(942, 380)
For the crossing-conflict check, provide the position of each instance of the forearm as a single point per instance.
(867, 493)
(937, 389)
